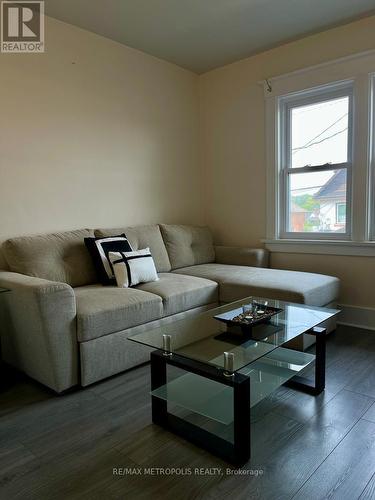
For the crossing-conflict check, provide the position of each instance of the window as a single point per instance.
(340, 213)
(315, 146)
(321, 158)
(371, 146)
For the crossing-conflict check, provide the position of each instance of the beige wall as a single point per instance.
(233, 145)
(94, 134)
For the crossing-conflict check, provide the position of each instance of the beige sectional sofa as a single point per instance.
(62, 328)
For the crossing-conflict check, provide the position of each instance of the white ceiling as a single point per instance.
(203, 34)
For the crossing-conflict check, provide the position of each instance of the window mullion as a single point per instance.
(319, 168)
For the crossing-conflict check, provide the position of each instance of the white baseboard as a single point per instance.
(359, 317)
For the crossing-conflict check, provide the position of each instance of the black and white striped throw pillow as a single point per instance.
(99, 249)
(135, 267)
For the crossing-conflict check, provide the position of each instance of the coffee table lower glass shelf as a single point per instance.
(206, 374)
(214, 400)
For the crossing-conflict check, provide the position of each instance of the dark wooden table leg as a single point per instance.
(242, 438)
(320, 361)
(158, 378)
(236, 452)
(303, 384)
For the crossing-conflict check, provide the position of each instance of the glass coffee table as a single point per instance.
(209, 370)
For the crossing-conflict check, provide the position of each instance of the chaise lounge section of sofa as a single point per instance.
(62, 328)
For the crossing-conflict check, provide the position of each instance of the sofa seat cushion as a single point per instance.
(102, 310)
(237, 282)
(181, 293)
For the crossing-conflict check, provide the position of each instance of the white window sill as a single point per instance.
(363, 249)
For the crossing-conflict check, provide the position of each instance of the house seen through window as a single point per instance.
(340, 213)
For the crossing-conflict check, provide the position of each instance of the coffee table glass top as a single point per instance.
(204, 338)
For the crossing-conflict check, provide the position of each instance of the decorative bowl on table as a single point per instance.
(249, 315)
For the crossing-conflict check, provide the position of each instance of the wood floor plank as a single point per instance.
(363, 380)
(287, 469)
(369, 492)
(349, 357)
(13, 454)
(66, 447)
(70, 476)
(370, 414)
(44, 414)
(98, 427)
(20, 395)
(153, 445)
(303, 407)
(122, 384)
(348, 469)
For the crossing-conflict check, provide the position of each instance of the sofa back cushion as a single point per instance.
(142, 237)
(188, 245)
(60, 257)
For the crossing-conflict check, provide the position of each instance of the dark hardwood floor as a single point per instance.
(303, 447)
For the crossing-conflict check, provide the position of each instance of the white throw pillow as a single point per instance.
(135, 267)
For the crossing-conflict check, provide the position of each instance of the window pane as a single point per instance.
(340, 213)
(317, 202)
(319, 133)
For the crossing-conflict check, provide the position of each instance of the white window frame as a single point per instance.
(285, 104)
(371, 159)
(359, 69)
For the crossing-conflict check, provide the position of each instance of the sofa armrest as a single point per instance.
(242, 256)
(38, 329)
